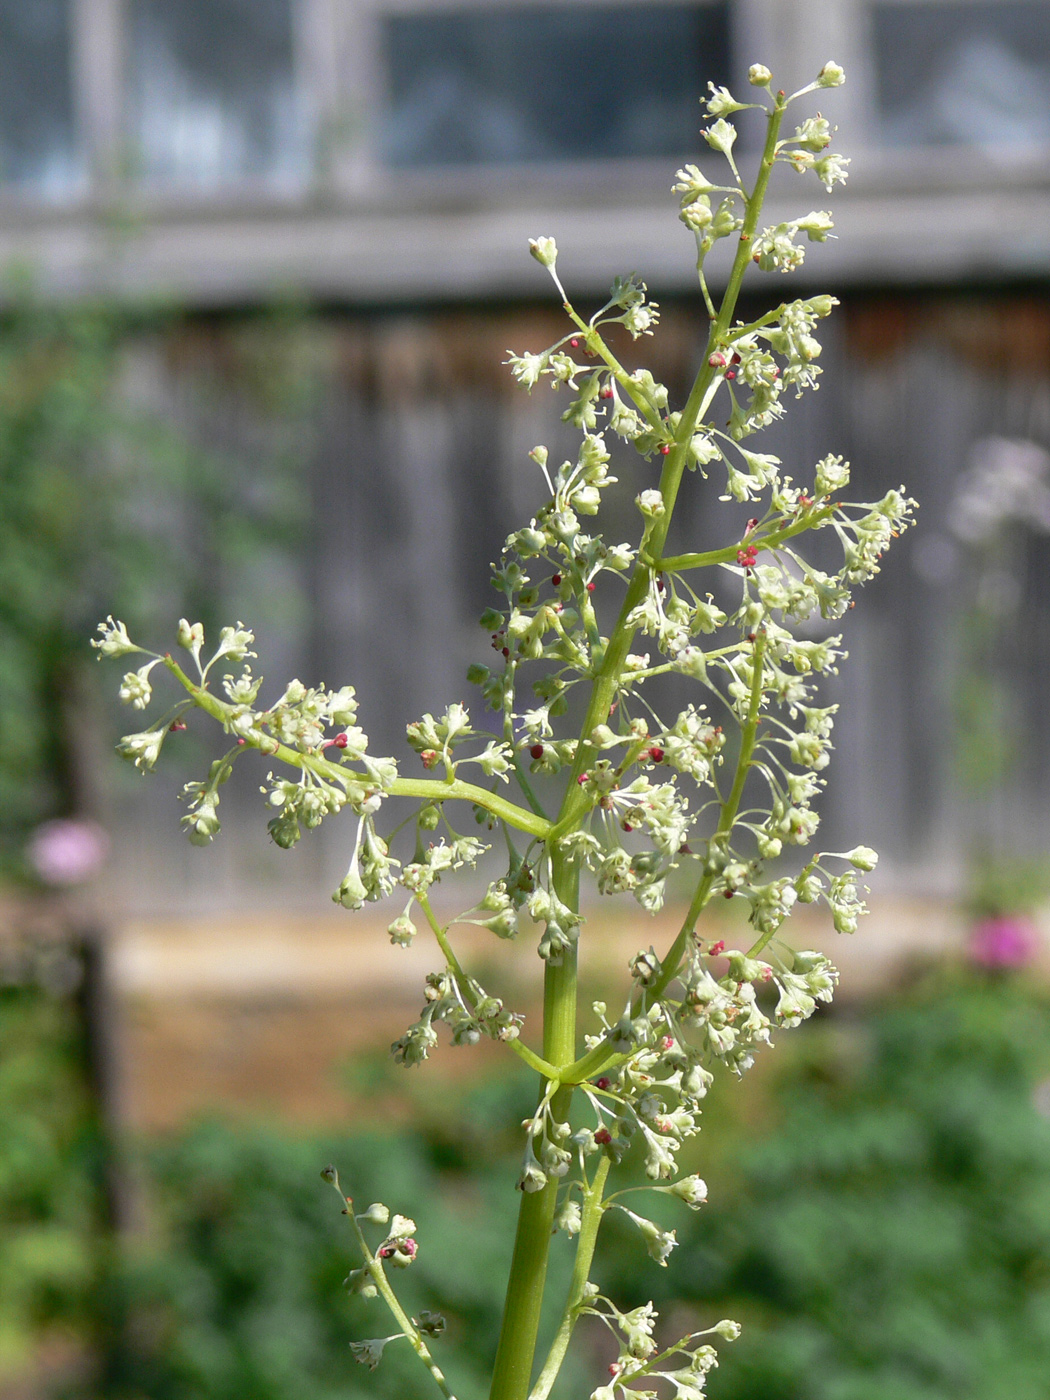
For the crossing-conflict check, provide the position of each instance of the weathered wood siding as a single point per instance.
(415, 462)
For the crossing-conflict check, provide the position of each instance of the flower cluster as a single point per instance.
(684, 1365)
(612, 788)
(467, 1010)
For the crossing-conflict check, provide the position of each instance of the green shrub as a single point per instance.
(891, 1239)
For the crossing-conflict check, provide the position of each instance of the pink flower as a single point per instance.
(66, 851)
(1005, 940)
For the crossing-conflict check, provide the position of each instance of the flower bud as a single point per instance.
(569, 1218)
(651, 504)
(862, 858)
(376, 1214)
(727, 1328)
(697, 216)
(831, 75)
(190, 636)
(758, 75)
(691, 1189)
(545, 250)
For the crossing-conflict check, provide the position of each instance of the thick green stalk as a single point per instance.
(512, 1373)
(591, 1214)
(521, 1316)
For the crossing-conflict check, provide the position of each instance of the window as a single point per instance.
(37, 141)
(548, 82)
(212, 96)
(970, 74)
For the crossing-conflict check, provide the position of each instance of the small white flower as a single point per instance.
(544, 250)
(720, 136)
(142, 749)
(234, 643)
(691, 1189)
(114, 640)
(370, 1352)
(135, 689)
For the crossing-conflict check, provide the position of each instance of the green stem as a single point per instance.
(600, 1058)
(517, 1344)
(730, 808)
(592, 1212)
(626, 383)
(512, 1372)
(434, 789)
(378, 1276)
(736, 332)
(677, 563)
(525, 785)
(605, 684)
(523, 1052)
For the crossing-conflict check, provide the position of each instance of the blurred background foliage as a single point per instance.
(113, 502)
(880, 1220)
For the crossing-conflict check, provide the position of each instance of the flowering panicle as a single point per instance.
(725, 790)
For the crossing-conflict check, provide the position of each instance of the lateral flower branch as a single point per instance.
(722, 791)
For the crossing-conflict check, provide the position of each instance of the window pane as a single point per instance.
(212, 90)
(549, 83)
(967, 74)
(37, 141)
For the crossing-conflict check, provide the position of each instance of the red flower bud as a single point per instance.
(717, 948)
(603, 1136)
(536, 751)
(555, 579)
(656, 754)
